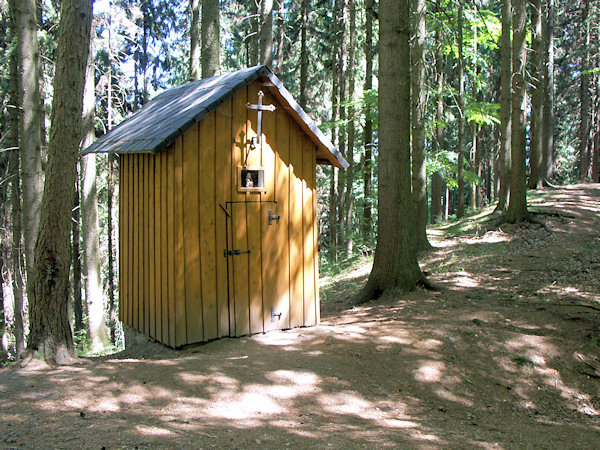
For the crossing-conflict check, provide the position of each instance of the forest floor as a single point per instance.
(507, 356)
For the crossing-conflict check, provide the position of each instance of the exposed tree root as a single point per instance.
(371, 291)
(583, 305)
(549, 185)
(426, 283)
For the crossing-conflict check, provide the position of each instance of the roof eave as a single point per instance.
(331, 154)
(326, 152)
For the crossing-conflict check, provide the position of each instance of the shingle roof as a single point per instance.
(171, 113)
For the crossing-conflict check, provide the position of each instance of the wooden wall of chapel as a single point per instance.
(182, 212)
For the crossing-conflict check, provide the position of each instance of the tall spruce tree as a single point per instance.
(195, 40)
(418, 104)
(548, 108)
(460, 208)
(211, 29)
(517, 205)
(49, 308)
(537, 97)
(25, 13)
(94, 294)
(395, 265)
(504, 154)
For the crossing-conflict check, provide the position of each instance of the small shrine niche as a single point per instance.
(251, 179)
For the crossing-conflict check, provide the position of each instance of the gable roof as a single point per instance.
(167, 116)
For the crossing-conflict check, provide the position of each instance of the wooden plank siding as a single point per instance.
(254, 219)
(123, 228)
(191, 236)
(178, 230)
(239, 241)
(181, 210)
(308, 223)
(275, 257)
(206, 210)
(222, 164)
(296, 242)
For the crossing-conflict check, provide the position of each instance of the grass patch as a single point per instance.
(592, 245)
(342, 267)
(475, 222)
(521, 361)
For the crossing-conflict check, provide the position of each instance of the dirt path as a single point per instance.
(506, 357)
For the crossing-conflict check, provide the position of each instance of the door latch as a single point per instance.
(275, 314)
(234, 252)
(273, 217)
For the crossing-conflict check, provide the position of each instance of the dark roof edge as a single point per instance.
(97, 147)
(261, 71)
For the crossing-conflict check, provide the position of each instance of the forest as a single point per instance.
(471, 129)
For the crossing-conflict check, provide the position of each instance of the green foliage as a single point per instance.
(483, 113)
(445, 162)
(329, 267)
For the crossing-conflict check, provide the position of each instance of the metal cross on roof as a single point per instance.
(260, 108)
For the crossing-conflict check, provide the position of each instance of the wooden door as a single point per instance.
(258, 287)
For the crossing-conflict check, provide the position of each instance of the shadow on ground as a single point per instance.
(507, 356)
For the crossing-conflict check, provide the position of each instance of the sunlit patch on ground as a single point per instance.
(505, 357)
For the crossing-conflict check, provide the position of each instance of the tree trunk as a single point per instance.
(50, 327)
(16, 251)
(537, 97)
(30, 127)
(79, 310)
(146, 25)
(333, 231)
(342, 130)
(195, 40)
(112, 315)
(253, 39)
(419, 175)
(281, 37)
(94, 294)
(437, 182)
(110, 229)
(517, 206)
(475, 157)
(349, 201)
(460, 208)
(596, 139)
(548, 109)
(584, 127)
(476, 167)
(395, 266)
(303, 54)
(266, 32)
(368, 128)
(211, 46)
(504, 152)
